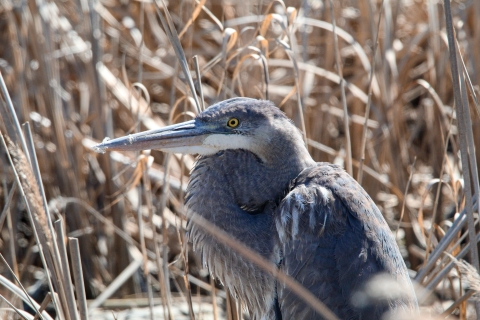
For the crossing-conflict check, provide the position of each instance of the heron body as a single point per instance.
(255, 180)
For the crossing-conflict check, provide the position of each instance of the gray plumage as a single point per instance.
(257, 181)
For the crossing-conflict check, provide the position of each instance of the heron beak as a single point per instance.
(180, 138)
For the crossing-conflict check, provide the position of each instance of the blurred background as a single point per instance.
(82, 70)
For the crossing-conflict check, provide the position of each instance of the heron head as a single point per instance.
(239, 123)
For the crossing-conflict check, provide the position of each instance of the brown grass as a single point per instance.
(80, 71)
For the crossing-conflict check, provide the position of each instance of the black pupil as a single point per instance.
(233, 122)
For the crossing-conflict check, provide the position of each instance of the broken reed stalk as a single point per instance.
(78, 277)
(44, 305)
(71, 303)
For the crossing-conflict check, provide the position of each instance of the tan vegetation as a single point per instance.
(79, 71)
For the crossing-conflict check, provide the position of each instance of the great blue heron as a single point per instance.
(255, 179)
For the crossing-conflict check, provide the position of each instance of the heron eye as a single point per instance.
(233, 123)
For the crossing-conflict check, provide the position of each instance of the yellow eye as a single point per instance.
(233, 123)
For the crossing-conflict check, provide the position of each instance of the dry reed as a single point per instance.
(369, 82)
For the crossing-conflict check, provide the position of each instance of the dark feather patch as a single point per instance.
(336, 257)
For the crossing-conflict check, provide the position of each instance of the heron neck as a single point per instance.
(285, 147)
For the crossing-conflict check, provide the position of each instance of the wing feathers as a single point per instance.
(334, 240)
